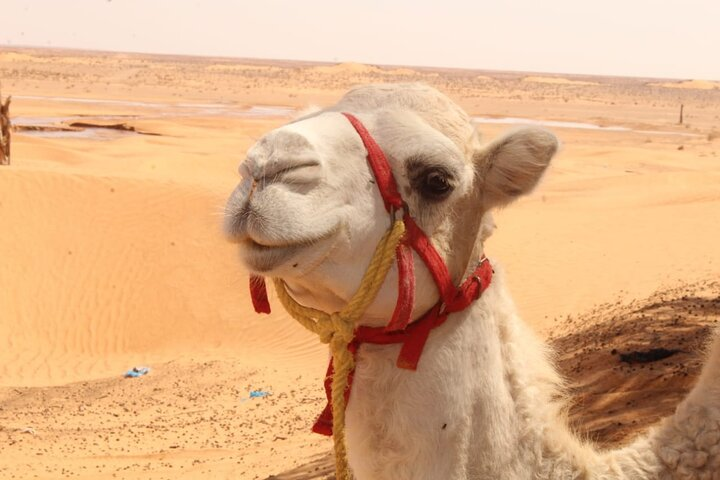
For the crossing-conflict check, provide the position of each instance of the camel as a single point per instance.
(485, 401)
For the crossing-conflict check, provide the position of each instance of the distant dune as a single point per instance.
(557, 80)
(352, 68)
(346, 68)
(690, 84)
(241, 68)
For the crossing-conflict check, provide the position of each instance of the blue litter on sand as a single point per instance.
(137, 372)
(258, 394)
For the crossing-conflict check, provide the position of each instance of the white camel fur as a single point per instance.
(484, 402)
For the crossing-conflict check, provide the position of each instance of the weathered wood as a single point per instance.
(682, 107)
(5, 128)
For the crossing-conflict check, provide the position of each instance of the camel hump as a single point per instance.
(688, 443)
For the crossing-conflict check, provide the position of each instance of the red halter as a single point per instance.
(398, 330)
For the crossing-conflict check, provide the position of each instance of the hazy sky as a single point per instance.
(661, 38)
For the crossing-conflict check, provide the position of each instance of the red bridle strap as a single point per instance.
(379, 166)
(412, 338)
(414, 236)
(432, 259)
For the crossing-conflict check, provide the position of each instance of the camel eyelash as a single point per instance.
(420, 167)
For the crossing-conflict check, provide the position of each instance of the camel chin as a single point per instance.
(283, 258)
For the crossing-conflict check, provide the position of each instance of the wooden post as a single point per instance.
(5, 127)
(681, 113)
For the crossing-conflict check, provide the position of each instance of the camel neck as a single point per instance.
(476, 407)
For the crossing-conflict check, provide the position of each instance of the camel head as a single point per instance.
(308, 209)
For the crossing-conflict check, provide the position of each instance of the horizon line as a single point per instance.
(326, 62)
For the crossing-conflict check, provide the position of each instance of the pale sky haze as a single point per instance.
(660, 38)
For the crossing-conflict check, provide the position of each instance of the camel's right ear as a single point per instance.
(512, 166)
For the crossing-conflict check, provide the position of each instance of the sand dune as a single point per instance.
(348, 68)
(102, 272)
(116, 265)
(112, 254)
(361, 69)
(691, 84)
(556, 80)
(241, 68)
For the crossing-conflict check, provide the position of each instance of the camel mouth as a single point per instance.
(262, 256)
(257, 245)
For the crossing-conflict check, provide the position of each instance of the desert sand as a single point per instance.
(113, 256)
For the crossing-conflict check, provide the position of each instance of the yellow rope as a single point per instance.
(337, 330)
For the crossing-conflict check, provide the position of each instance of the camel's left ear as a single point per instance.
(513, 165)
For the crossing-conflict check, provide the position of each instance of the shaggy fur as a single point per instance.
(485, 402)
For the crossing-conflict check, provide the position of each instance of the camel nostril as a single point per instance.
(288, 172)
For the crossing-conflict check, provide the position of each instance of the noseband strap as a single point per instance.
(414, 238)
(379, 166)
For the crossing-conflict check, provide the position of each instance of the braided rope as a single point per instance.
(338, 329)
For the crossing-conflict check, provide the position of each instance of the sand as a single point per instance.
(692, 84)
(112, 253)
(556, 80)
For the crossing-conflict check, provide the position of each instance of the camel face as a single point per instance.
(308, 209)
(290, 205)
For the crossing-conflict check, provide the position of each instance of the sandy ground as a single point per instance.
(112, 254)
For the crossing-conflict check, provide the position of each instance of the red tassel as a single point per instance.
(406, 289)
(323, 424)
(258, 293)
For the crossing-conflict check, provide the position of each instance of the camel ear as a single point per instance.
(513, 165)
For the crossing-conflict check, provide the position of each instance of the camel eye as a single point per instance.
(435, 185)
